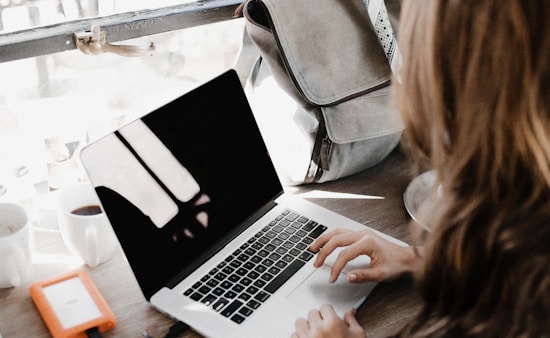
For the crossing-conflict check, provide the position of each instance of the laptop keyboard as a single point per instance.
(241, 283)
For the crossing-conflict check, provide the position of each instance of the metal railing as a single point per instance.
(119, 27)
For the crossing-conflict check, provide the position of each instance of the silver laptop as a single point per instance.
(203, 220)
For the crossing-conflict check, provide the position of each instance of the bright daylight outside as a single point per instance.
(52, 105)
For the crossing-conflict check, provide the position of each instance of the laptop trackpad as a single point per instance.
(315, 291)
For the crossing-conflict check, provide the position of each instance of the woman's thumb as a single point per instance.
(349, 318)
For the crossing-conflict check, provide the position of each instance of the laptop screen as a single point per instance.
(179, 179)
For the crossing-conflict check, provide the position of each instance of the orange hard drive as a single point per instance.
(70, 304)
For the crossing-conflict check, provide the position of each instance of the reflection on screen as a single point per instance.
(163, 220)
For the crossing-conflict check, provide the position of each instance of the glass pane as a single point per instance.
(24, 14)
(50, 106)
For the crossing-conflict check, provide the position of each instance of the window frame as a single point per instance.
(118, 27)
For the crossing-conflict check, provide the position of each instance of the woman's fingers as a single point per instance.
(327, 312)
(388, 260)
(356, 330)
(326, 237)
(326, 244)
(349, 318)
(367, 275)
(325, 323)
(302, 328)
(314, 317)
(358, 243)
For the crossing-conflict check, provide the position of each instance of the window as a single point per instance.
(54, 99)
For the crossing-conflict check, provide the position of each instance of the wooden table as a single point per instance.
(388, 308)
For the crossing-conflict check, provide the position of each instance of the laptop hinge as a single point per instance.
(222, 243)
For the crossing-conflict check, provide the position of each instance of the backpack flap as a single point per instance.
(331, 50)
(369, 116)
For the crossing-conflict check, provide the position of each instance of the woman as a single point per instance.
(475, 98)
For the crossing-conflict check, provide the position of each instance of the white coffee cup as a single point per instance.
(15, 253)
(85, 228)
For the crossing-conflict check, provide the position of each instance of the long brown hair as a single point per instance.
(475, 99)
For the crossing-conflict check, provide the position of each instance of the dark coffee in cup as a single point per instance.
(87, 210)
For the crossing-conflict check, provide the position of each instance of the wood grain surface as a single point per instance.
(379, 205)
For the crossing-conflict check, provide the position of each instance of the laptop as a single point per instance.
(204, 222)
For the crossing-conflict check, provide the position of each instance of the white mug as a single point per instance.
(85, 228)
(15, 252)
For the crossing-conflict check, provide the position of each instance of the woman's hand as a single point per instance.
(326, 323)
(388, 260)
